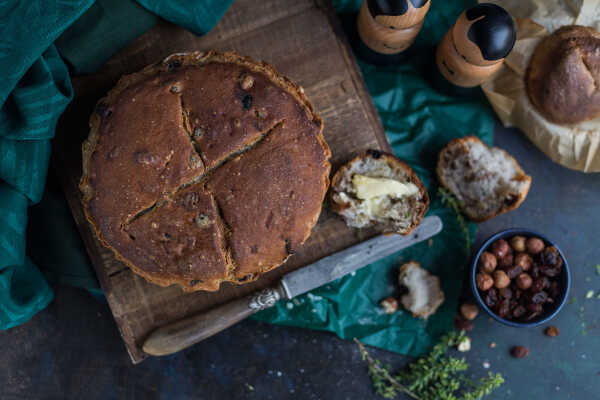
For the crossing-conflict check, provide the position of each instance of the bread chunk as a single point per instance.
(377, 189)
(486, 181)
(424, 294)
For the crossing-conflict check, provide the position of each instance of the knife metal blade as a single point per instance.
(349, 260)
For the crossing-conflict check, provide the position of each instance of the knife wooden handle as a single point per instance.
(179, 335)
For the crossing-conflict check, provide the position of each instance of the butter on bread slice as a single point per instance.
(424, 295)
(377, 189)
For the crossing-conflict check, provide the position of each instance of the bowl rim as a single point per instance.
(512, 232)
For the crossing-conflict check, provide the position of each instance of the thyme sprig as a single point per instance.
(432, 377)
(450, 201)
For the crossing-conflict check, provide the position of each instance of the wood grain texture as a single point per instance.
(304, 41)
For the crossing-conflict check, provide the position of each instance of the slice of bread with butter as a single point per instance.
(378, 190)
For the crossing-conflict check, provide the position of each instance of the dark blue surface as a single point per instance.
(565, 279)
(73, 350)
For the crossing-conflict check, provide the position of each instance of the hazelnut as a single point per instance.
(506, 261)
(518, 243)
(469, 311)
(389, 305)
(524, 281)
(552, 331)
(500, 248)
(484, 281)
(487, 262)
(534, 245)
(519, 351)
(501, 280)
(523, 260)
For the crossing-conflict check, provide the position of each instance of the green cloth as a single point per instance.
(34, 91)
(419, 121)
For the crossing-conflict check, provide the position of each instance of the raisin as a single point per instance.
(503, 308)
(463, 324)
(554, 290)
(491, 297)
(551, 257)
(505, 293)
(254, 249)
(247, 101)
(550, 271)
(540, 284)
(173, 64)
(376, 154)
(288, 246)
(194, 282)
(534, 308)
(519, 311)
(539, 297)
(519, 351)
(514, 271)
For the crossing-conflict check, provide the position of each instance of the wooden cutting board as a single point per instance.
(303, 40)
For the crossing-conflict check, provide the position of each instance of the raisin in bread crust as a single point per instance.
(375, 163)
(159, 275)
(487, 181)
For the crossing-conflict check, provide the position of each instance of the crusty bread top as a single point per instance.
(401, 215)
(486, 181)
(157, 145)
(563, 76)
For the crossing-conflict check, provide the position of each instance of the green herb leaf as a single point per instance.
(598, 269)
(435, 376)
(450, 201)
(589, 294)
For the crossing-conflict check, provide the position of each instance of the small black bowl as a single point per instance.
(564, 279)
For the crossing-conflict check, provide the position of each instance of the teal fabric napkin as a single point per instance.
(34, 91)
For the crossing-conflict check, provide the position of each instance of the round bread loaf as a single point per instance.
(204, 168)
(563, 75)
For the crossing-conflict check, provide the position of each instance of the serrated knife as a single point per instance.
(177, 336)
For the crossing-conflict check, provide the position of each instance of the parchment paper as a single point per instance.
(574, 146)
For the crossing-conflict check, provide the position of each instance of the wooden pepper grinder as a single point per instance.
(475, 47)
(391, 26)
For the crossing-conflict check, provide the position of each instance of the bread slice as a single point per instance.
(424, 294)
(399, 211)
(486, 181)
